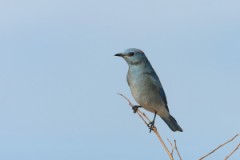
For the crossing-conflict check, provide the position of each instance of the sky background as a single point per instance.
(59, 79)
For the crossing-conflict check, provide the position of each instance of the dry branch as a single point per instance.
(175, 146)
(219, 147)
(146, 120)
(171, 146)
(232, 152)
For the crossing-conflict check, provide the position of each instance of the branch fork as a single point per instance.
(146, 120)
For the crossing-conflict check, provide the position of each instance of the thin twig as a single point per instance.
(219, 147)
(162, 142)
(232, 152)
(175, 145)
(145, 116)
(146, 120)
(130, 104)
(140, 115)
(171, 146)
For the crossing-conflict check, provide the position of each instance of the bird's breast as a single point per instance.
(139, 87)
(144, 89)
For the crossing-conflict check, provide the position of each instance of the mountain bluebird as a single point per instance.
(146, 87)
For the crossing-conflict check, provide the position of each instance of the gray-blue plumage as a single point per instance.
(146, 87)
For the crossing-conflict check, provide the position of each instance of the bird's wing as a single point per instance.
(163, 95)
(156, 82)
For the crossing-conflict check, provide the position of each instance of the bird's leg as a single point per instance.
(135, 108)
(151, 124)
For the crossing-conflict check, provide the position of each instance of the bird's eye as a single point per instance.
(131, 54)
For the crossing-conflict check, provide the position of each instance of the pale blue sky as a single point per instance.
(59, 78)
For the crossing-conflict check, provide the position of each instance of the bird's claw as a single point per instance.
(135, 108)
(151, 126)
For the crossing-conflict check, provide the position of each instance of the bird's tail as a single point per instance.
(172, 123)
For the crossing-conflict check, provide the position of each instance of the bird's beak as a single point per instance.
(119, 55)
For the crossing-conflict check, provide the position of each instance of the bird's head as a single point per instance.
(133, 56)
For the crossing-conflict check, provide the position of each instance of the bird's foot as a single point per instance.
(151, 126)
(135, 108)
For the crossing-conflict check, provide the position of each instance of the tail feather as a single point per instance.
(172, 124)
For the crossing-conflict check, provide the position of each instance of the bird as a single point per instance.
(146, 87)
